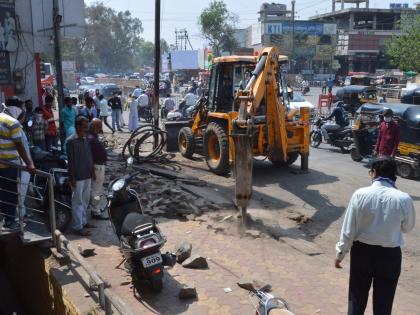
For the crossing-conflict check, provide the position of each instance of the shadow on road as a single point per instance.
(326, 212)
(166, 301)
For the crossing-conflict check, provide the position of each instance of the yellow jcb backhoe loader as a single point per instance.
(275, 132)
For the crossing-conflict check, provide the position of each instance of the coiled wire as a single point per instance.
(146, 145)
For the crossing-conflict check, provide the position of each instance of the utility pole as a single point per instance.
(57, 18)
(157, 63)
(292, 64)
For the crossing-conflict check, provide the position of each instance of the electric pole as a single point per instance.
(57, 18)
(292, 64)
(157, 63)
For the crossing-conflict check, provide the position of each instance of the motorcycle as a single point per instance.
(183, 112)
(56, 165)
(342, 138)
(266, 303)
(146, 113)
(305, 90)
(140, 237)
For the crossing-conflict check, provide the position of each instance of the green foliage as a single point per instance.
(113, 42)
(404, 49)
(217, 26)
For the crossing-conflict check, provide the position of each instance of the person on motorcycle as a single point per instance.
(340, 121)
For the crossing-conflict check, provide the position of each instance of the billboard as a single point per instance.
(301, 27)
(184, 60)
(8, 37)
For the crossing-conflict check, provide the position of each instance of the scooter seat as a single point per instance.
(133, 220)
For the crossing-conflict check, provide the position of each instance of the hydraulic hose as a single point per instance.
(146, 145)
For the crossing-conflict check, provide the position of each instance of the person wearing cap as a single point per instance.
(99, 156)
(388, 136)
(11, 150)
(373, 227)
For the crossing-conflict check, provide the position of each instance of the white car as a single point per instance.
(87, 80)
(298, 101)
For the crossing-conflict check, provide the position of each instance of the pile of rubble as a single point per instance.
(161, 196)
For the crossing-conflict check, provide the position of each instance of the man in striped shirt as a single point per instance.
(11, 148)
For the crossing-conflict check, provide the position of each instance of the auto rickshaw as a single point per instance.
(365, 133)
(353, 96)
(411, 97)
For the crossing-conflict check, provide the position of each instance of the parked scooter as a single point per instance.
(140, 237)
(342, 138)
(55, 164)
(265, 303)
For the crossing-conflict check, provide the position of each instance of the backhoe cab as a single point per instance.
(245, 98)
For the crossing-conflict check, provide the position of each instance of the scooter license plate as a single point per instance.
(151, 260)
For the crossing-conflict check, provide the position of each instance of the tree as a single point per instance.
(404, 49)
(218, 26)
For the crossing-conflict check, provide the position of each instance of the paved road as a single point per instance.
(295, 259)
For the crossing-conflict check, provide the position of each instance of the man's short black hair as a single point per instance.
(74, 100)
(67, 99)
(119, 92)
(28, 101)
(385, 167)
(101, 97)
(80, 120)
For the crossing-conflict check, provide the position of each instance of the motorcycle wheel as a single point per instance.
(316, 138)
(344, 150)
(157, 285)
(355, 155)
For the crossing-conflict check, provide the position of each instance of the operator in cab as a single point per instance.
(339, 119)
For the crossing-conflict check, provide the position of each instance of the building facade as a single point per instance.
(362, 34)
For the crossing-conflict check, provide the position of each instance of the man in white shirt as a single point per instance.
(143, 99)
(373, 225)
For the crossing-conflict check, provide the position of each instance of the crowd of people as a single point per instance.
(22, 127)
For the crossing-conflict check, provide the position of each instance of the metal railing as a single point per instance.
(20, 207)
(108, 300)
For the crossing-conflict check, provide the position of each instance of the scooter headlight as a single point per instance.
(118, 185)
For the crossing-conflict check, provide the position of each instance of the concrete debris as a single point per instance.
(252, 285)
(195, 262)
(253, 233)
(300, 219)
(183, 251)
(86, 252)
(227, 218)
(227, 290)
(187, 293)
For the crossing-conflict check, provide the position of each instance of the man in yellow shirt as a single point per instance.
(11, 149)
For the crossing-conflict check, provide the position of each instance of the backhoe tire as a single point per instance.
(355, 155)
(291, 158)
(216, 149)
(186, 142)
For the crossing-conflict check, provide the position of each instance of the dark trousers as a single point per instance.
(51, 141)
(9, 198)
(324, 90)
(373, 264)
(104, 119)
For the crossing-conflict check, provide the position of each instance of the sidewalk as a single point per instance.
(310, 284)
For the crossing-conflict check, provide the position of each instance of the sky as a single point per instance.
(180, 14)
